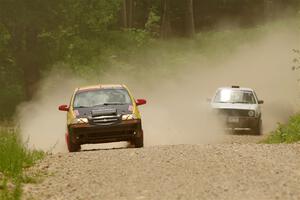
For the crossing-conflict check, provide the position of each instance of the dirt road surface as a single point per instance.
(236, 169)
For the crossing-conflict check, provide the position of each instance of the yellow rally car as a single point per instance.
(103, 113)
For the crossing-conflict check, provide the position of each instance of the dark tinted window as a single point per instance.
(98, 97)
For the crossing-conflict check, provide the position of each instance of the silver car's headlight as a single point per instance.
(251, 113)
(80, 121)
(129, 117)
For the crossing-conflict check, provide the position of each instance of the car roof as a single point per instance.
(101, 86)
(236, 88)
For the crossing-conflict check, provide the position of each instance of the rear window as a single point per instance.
(235, 96)
(98, 97)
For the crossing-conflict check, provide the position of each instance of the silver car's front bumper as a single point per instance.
(241, 123)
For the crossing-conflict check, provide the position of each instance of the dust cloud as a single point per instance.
(42, 126)
(177, 111)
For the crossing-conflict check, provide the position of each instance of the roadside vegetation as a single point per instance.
(289, 132)
(14, 158)
(286, 133)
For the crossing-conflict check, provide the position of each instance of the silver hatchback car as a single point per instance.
(239, 108)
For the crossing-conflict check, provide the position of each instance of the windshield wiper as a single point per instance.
(98, 105)
(233, 102)
(81, 107)
(108, 104)
(113, 103)
(102, 104)
(221, 102)
(243, 102)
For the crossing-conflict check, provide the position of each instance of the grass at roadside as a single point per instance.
(14, 157)
(286, 133)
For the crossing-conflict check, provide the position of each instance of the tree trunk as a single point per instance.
(130, 13)
(190, 24)
(32, 63)
(166, 29)
(147, 13)
(26, 54)
(127, 12)
(124, 14)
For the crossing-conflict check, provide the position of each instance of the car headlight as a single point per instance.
(129, 117)
(251, 113)
(80, 121)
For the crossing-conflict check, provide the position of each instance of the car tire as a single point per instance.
(258, 128)
(139, 140)
(72, 147)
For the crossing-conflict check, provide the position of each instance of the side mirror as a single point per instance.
(260, 102)
(140, 102)
(63, 108)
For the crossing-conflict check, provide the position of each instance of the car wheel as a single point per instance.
(258, 128)
(139, 140)
(72, 147)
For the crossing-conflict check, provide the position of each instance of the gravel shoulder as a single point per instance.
(239, 169)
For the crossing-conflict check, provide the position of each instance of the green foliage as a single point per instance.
(11, 95)
(14, 157)
(34, 35)
(286, 133)
(133, 51)
(99, 55)
(152, 25)
(4, 38)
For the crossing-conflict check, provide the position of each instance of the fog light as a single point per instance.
(80, 121)
(129, 117)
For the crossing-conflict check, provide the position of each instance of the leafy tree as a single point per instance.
(41, 33)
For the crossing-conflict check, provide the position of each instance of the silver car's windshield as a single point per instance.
(235, 96)
(100, 97)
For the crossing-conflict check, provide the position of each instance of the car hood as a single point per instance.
(87, 112)
(239, 106)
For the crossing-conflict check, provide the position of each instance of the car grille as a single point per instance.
(234, 112)
(105, 116)
(106, 120)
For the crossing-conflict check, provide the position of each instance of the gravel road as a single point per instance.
(236, 169)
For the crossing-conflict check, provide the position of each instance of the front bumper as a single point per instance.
(92, 134)
(241, 123)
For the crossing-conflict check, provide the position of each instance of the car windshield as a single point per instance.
(234, 96)
(101, 97)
